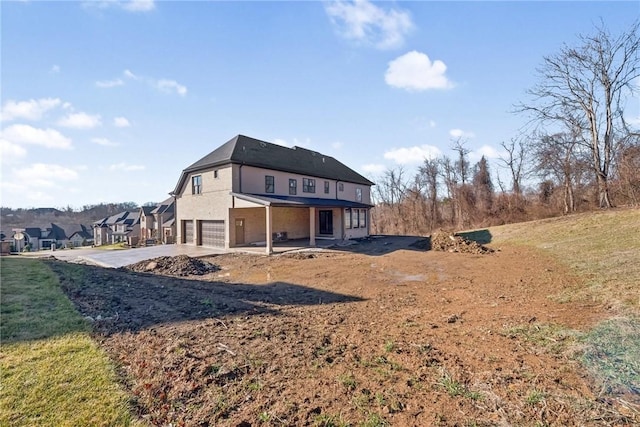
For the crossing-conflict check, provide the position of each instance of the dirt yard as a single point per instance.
(404, 337)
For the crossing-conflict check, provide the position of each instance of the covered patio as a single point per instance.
(284, 221)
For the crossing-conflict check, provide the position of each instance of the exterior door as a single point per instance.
(239, 231)
(187, 232)
(326, 222)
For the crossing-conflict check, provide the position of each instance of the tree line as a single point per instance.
(578, 151)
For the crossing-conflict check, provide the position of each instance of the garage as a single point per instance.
(187, 231)
(212, 233)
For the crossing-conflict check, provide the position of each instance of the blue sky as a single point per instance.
(108, 101)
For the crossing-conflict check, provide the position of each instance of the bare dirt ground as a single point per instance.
(407, 337)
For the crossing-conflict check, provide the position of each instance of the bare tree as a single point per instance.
(583, 88)
(515, 160)
(483, 187)
(462, 163)
(556, 156)
(429, 172)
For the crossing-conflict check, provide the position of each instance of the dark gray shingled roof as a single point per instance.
(253, 152)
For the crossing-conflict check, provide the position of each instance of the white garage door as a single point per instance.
(212, 233)
(187, 231)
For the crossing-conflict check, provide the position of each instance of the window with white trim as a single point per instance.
(363, 218)
(347, 218)
(358, 194)
(293, 187)
(326, 187)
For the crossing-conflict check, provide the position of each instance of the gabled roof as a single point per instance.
(166, 206)
(126, 217)
(253, 152)
(146, 210)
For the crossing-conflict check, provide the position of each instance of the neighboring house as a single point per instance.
(38, 238)
(121, 227)
(80, 235)
(251, 191)
(158, 223)
(147, 223)
(164, 215)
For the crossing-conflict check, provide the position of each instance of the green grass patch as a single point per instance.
(612, 355)
(52, 372)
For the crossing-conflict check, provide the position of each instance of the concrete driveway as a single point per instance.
(122, 257)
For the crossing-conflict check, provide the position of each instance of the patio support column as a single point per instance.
(312, 226)
(269, 236)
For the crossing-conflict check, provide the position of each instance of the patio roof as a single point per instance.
(294, 201)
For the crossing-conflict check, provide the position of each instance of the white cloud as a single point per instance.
(80, 121)
(412, 155)
(121, 122)
(41, 175)
(109, 83)
(104, 142)
(459, 133)
(125, 167)
(414, 71)
(55, 69)
(163, 85)
(171, 86)
(488, 152)
(10, 152)
(32, 109)
(373, 168)
(633, 121)
(127, 5)
(25, 134)
(139, 5)
(128, 74)
(336, 145)
(367, 23)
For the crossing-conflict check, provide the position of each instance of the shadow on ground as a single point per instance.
(383, 244)
(117, 300)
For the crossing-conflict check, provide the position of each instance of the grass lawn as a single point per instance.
(603, 249)
(52, 372)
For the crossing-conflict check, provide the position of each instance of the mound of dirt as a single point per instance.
(448, 242)
(181, 265)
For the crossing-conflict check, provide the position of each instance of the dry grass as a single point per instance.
(603, 248)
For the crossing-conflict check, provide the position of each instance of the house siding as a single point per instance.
(212, 203)
(216, 203)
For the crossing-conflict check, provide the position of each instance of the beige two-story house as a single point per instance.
(249, 191)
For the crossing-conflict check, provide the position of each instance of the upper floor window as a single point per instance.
(358, 194)
(308, 185)
(340, 186)
(326, 187)
(293, 186)
(215, 173)
(196, 184)
(269, 184)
